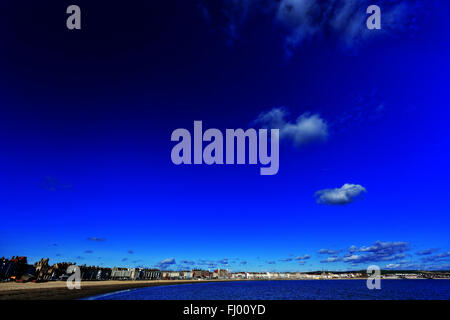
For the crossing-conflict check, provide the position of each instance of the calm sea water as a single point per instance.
(289, 290)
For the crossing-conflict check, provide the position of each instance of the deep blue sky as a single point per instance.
(86, 118)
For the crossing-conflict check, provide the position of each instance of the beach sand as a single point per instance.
(57, 290)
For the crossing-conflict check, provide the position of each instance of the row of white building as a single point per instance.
(154, 274)
(292, 275)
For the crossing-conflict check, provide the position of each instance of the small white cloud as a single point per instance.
(331, 259)
(308, 128)
(327, 251)
(353, 257)
(304, 257)
(168, 261)
(343, 195)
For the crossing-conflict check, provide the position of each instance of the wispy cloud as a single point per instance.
(344, 20)
(426, 252)
(286, 260)
(331, 259)
(223, 261)
(164, 264)
(444, 256)
(394, 252)
(304, 20)
(302, 258)
(96, 239)
(379, 251)
(207, 263)
(327, 251)
(340, 196)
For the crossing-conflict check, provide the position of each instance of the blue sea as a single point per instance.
(290, 290)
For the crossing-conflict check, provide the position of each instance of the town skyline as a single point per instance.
(382, 254)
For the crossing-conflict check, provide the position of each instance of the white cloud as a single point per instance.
(163, 264)
(308, 128)
(379, 251)
(385, 247)
(340, 196)
(168, 261)
(331, 259)
(327, 251)
(353, 257)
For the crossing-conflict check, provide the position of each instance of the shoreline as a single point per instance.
(57, 290)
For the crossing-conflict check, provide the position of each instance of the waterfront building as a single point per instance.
(185, 274)
(149, 274)
(220, 274)
(201, 274)
(238, 275)
(124, 273)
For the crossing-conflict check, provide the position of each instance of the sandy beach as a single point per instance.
(57, 290)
